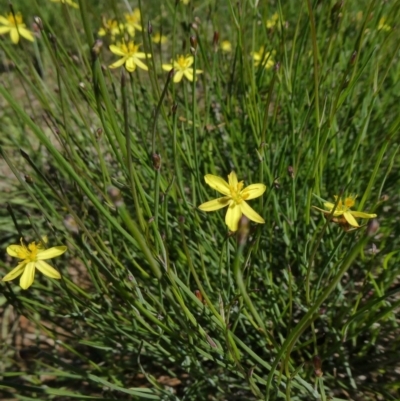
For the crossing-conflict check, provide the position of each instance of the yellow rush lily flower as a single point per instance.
(264, 58)
(226, 46)
(130, 56)
(271, 22)
(33, 256)
(15, 27)
(69, 2)
(134, 19)
(235, 198)
(182, 67)
(343, 209)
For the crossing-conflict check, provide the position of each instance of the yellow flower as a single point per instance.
(383, 26)
(69, 2)
(226, 46)
(130, 56)
(158, 38)
(264, 58)
(271, 22)
(33, 256)
(235, 198)
(343, 209)
(186, 2)
(15, 27)
(134, 19)
(182, 67)
(114, 28)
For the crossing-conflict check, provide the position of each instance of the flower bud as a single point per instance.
(317, 366)
(372, 227)
(115, 196)
(156, 161)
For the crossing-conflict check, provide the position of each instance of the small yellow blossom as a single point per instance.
(343, 209)
(114, 28)
(226, 46)
(158, 38)
(186, 2)
(382, 26)
(271, 22)
(33, 257)
(235, 198)
(182, 67)
(69, 2)
(14, 25)
(130, 56)
(263, 57)
(134, 19)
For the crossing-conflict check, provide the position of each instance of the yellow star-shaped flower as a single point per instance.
(13, 25)
(33, 257)
(182, 66)
(130, 56)
(344, 209)
(235, 198)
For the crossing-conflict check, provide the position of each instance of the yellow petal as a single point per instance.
(140, 64)
(167, 67)
(26, 34)
(47, 270)
(178, 76)
(14, 36)
(28, 276)
(215, 204)
(329, 205)
(16, 250)
(4, 20)
(118, 63)
(4, 29)
(130, 65)
(232, 179)
(15, 272)
(188, 74)
(51, 252)
(363, 215)
(189, 61)
(350, 219)
(116, 50)
(218, 183)
(250, 213)
(253, 191)
(233, 216)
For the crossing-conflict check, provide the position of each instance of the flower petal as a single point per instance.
(350, 219)
(28, 276)
(233, 216)
(117, 50)
(215, 204)
(4, 29)
(15, 272)
(140, 64)
(232, 179)
(130, 64)
(218, 183)
(47, 270)
(253, 191)
(250, 213)
(167, 67)
(363, 215)
(178, 76)
(14, 35)
(188, 74)
(26, 34)
(51, 252)
(329, 205)
(189, 61)
(16, 250)
(118, 63)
